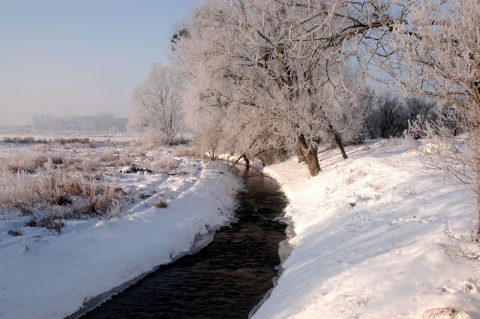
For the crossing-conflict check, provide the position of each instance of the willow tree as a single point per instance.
(274, 80)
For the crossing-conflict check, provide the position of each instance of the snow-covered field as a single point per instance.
(371, 240)
(46, 274)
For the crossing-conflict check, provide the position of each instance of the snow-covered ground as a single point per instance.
(44, 274)
(371, 240)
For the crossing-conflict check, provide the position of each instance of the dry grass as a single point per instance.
(55, 181)
(108, 155)
(21, 140)
(161, 203)
(164, 164)
(52, 222)
(354, 175)
(41, 156)
(40, 148)
(40, 182)
(75, 140)
(54, 187)
(186, 151)
(31, 162)
(446, 312)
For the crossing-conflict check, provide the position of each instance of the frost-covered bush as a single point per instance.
(186, 151)
(164, 163)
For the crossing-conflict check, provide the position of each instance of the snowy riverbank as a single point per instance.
(48, 275)
(371, 239)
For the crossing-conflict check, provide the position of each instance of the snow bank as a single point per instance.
(44, 275)
(371, 240)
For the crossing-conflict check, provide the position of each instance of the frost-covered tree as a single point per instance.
(277, 70)
(438, 55)
(157, 104)
(276, 82)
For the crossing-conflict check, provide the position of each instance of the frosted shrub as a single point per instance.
(40, 148)
(87, 163)
(103, 199)
(108, 156)
(148, 139)
(186, 151)
(164, 163)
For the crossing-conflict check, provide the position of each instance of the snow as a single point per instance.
(48, 275)
(371, 239)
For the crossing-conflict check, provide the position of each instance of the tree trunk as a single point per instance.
(309, 155)
(312, 161)
(247, 162)
(477, 238)
(299, 152)
(339, 142)
(476, 145)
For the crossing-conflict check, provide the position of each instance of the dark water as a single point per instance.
(226, 279)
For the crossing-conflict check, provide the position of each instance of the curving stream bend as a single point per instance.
(226, 279)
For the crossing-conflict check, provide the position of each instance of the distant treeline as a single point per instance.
(98, 122)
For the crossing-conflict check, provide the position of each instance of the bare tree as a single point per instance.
(387, 116)
(421, 109)
(157, 104)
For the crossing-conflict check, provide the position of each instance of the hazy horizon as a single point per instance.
(67, 58)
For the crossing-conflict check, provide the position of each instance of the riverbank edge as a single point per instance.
(199, 243)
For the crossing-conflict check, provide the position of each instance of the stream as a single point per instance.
(226, 279)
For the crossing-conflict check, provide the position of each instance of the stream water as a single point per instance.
(226, 279)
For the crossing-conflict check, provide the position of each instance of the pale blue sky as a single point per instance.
(79, 57)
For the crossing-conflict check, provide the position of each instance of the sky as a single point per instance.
(79, 57)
